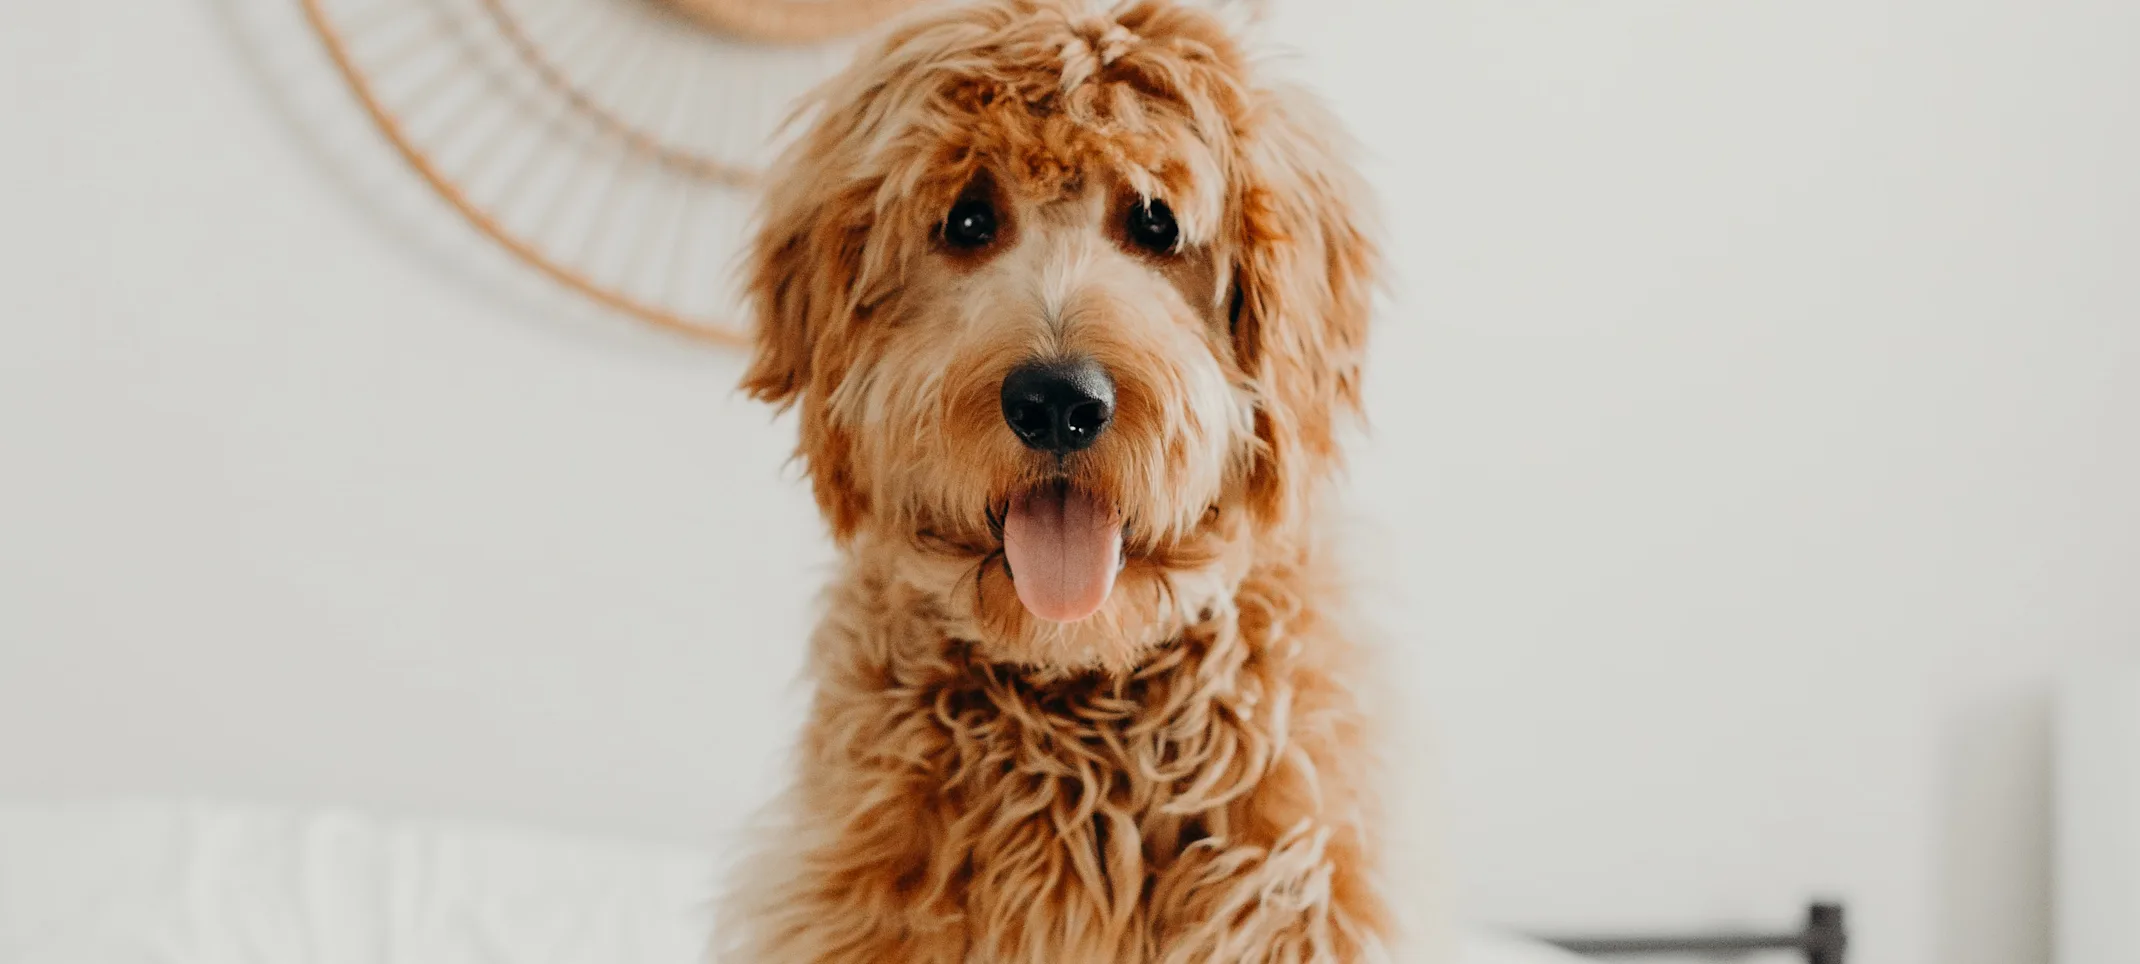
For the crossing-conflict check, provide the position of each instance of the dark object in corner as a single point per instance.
(1822, 941)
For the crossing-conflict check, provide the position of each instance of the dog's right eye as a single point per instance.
(970, 225)
(1151, 227)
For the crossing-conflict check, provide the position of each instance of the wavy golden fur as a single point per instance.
(1184, 775)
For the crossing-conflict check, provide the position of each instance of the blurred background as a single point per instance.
(1756, 434)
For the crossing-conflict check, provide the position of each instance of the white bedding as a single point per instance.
(168, 884)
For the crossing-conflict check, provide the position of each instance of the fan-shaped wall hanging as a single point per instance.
(606, 143)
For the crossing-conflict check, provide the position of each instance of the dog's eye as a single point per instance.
(1151, 227)
(971, 224)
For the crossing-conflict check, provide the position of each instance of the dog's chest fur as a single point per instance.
(970, 812)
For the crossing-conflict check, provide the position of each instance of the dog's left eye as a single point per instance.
(971, 224)
(1151, 227)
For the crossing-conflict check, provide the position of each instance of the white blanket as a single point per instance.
(170, 884)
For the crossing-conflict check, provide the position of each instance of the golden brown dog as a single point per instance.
(1072, 303)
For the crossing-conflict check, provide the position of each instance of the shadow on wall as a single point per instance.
(1994, 870)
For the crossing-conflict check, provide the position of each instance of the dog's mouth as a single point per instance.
(1063, 547)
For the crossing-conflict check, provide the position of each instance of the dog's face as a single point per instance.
(1070, 305)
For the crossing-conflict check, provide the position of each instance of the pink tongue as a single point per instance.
(1063, 549)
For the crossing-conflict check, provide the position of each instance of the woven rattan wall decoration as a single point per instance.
(609, 144)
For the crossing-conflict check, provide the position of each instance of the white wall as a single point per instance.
(1755, 434)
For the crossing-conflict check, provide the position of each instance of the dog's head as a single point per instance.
(1071, 304)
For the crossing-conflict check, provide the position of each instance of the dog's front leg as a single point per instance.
(1296, 898)
(854, 887)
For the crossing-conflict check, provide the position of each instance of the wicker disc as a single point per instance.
(610, 144)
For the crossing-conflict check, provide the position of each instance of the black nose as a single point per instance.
(1058, 406)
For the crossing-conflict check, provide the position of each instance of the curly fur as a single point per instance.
(1185, 775)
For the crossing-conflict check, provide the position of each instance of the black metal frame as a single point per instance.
(1822, 940)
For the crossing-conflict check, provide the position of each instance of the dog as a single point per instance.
(1072, 305)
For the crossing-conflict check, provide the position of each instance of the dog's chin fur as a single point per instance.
(1184, 774)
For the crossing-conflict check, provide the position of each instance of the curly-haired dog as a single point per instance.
(1072, 305)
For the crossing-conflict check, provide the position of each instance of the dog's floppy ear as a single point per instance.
(802, 273)
(804, 276)
(1303, 290)
(805, 270)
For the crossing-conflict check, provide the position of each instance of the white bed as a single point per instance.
(196, 884)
